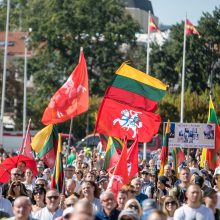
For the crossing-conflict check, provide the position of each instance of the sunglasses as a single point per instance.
(132, 191)
(133, 206)
(84, 167)
(171, 202)
(38, 193)
(70, 205)
(108, 199)
(16, 174)
(53, 197)
(16, 185)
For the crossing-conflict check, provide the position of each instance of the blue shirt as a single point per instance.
(141, 197)
(101, 215)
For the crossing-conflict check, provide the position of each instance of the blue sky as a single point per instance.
(173, 11)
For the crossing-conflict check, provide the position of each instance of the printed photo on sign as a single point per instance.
(208, 132)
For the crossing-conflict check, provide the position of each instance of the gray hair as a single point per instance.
(106, 193)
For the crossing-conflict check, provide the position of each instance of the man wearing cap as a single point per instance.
(211, 199)
(145, 177)
(193, 208)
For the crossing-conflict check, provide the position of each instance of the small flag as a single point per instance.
(153, 26)
(57, 179)
(164, 151)
(190, 29)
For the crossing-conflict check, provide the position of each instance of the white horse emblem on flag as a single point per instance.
(129, 120)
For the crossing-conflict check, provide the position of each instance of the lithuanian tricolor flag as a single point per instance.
(164, 151)
(44, 143)
(58, 176)
(136, 88)
(111, 155)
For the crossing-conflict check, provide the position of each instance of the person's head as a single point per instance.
(128, 214)
(102, 173)
(47, 173)
(184, 175)
(210, 198)
(149, 205)
(69, 171)
(85, 167)
(38, 195)
(89, 189)
(83, 210)
(199, 181)
(79, 163)
(52, 199)
(121, 199)
(16, 189)
(79, 174)
(107, 201)
(90, 176)
(134, 205)
(70, 201)
(194, 163)
(136, 183)
(157, 215)
(21, 165)
(167, 170)
(40, 167)
(28, 174)
(163, 182)
(152, 163)
(145, 175)
(169, 205)
(22, 208)
(103, 183)
(15, 174)
(193, 195)
(67, 213)
(70, 186)
(41, 182)
(152, 177)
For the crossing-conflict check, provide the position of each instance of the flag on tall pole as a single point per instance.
(164, 151)
(72, 98)
(44, 143)
(57, 179)
(190, 29)
(26, 148)
(211, 154)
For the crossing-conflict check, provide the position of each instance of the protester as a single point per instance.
(108, 210)
(134, 205)
(52, 210)
(193, 208)
(122, 198)
(79, 180)
(6, 206)
(169, 207)
(38, 199)
(29, 184)
(22, 209)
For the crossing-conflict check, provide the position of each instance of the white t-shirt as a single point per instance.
(187, 213)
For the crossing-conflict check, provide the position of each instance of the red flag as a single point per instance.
(26, 148)
(190, 29)
(120, 174)
(133, 160)
(153, 26)
(117, 119)
(71, 99)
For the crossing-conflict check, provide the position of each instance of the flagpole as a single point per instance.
(148, 43)
(70, 132)
(147, 72)
(4, 74)
(183, 76)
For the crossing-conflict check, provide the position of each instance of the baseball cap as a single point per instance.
(199, 180)
(128, 212)
(164, 180)
(208, 192)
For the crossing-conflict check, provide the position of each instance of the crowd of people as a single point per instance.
(192, 195)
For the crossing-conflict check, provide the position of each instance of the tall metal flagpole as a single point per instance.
(183, 76)
(147, 72)
(25, 85)
(4, 74)
(148, 43)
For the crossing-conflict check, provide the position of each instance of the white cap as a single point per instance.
(67, 211)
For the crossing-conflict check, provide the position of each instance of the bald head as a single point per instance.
(22, 208)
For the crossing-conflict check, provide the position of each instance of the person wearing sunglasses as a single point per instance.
(15, 175)
(79, 180)
(15, 190)
(108, 211)
(134, 205)
(38, 199)
(52, 210)
(169, 207)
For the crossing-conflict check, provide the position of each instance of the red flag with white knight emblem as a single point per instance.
(71, 99)
(117, 119)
